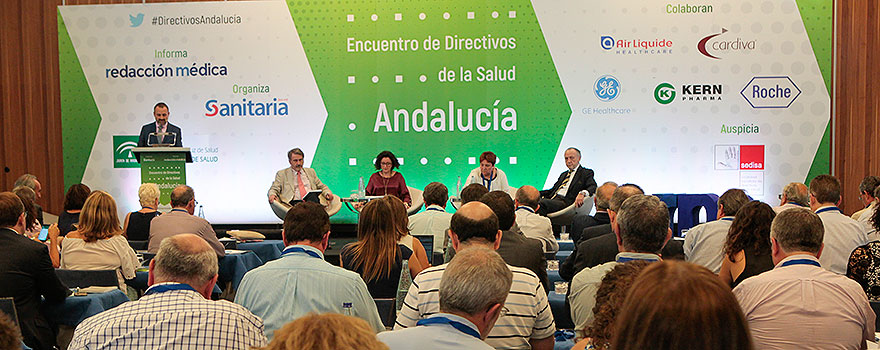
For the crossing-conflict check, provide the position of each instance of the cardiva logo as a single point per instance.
(710, 47)
(247, 108)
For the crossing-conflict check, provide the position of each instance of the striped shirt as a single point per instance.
(177, 319)
(529, 315)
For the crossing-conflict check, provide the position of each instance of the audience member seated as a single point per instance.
(531, 224)
(842, 233)
(747, 249)
(28, 199)
(400, 219)
(529, 323)
(73, 203)
(31, 182)
(516, 249)
(704, 243)
(642, 228)
(472, 192)
(175, 312)
(434, 221)
(377, 256)
(864, 264)
(582, 221)
(794, 195)
(487, 174)
(472, 293)
(27, 274)
(678, 305)
(10, 336)
(609, 298)
(137, 223)
(799, 304)
(98, 243)
(181, 220)
(572, 186)
(301, 281)
(867, 188)
(329, 331)
(386, 181)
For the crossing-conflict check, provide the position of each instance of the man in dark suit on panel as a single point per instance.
(572, 186)
(161, 113)
(27, 275)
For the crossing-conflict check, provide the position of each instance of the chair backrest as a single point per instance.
(415, 195)
(387, 312)
(87, 278)
(139, 245)
(7, 306)
(427, 242)
(403, 284)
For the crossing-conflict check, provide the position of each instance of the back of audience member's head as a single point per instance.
(609, 298)
(11, 209)
(329, 331)
(502, 206)
(732, 199)
(603, 195)
(148, 194)
(98, 219)
(869, 184)
(181, 196)
(621, 193)
(798, 193)
(644, 223)
(306, 221)
(435, 193)
(28, 200)
(185, 258)
(474, 281)
(798, 230)
(528, 196)
(375, 252)
(750, 228)
(473, 192)
(10, 336)
(474, 221)
(399, 215)
(679, 305)
(825, 188)
(76, 196)
(27, 180)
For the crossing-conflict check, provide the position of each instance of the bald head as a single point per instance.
(185, 258)
(621, 194)
(474, 220)
(603, 195)
(181, 196)
(528, 196)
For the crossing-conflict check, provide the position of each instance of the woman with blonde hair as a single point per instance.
(137, 223)
(377, 256)
(326, 332)
(98, 243)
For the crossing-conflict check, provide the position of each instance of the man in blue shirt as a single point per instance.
(301, 281)
(472, 294)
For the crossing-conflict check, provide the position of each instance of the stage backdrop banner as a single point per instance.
(678, 97)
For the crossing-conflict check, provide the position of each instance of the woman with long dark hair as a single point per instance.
(747, 251)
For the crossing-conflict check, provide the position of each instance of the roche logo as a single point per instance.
(712, 48)
(770, 92)
(664, 94)
(607, 88)
(635, 46)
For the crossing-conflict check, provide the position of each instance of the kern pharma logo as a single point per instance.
(122, 155)
(664, 93)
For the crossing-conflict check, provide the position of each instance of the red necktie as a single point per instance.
(302, 187)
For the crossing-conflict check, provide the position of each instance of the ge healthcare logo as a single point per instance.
(607, 88)
(770, 92)
(710, 48)
(664, 93)
(136, 21)
(122, 155)
(635, 46)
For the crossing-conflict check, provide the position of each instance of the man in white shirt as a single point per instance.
(704, 244)
(798, 304)
(531, 224)
(434, 221)
(794, 195)
(472, 294)
(296, 181)
(842, 233)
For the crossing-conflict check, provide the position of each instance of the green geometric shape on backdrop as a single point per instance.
(818, 18)
(542, 110)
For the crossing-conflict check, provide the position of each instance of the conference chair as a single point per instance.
(87, 278)
(331, 207)
(387, 311)
(512, 192)
(139, 245)
(417, 200)
(564, 216)
(7, 306)
(428, 242)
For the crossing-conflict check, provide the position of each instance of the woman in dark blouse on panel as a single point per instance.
(73, 204)
(387, 181)
(747, 251)
(137, 223)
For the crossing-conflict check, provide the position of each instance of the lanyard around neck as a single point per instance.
(827, 209)
(168, 287)
(461, 327)
(300, 250)
(523, 207)
(801, 262)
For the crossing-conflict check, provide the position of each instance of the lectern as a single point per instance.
(163, 166)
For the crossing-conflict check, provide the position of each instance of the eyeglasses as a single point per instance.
(504, 311)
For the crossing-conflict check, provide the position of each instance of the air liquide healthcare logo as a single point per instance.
(636, 46)
(136, 21)
(664, 94)
(770, 92)
(712, 47)
(122, 155)
(607, 88)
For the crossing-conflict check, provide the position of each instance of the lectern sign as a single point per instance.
(167, 170)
